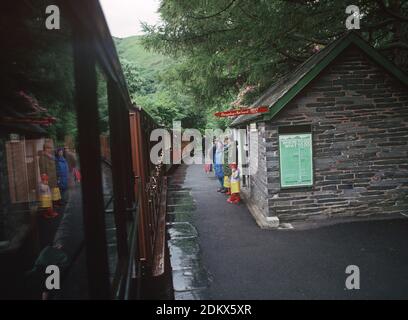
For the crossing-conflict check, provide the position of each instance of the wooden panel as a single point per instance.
(140, 186)
(33, 173)
(105, 147)
(17, 172)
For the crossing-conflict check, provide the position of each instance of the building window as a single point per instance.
(296, 157)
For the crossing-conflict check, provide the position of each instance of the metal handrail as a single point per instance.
(132, 253)
(153, 189)
(133, 243)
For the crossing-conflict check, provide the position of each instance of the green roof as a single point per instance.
(288, 87)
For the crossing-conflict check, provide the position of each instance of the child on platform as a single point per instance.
(45, 206)
(235, 184)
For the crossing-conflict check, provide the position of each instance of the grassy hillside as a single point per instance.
(132, 50)
(162, 99)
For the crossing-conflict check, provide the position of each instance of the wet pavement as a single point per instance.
(190, 279)
(219, 252)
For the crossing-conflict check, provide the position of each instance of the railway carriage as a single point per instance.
(105, 230)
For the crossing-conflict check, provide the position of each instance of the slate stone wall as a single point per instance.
(359, 118)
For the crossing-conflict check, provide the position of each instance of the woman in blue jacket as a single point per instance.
(61, 166)
(218, 166)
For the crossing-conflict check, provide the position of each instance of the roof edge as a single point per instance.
(350, 38)
(307, 78)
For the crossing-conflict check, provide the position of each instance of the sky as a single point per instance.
(124, 16)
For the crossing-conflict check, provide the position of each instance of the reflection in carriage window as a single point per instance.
(40, 176)
(46, 110)
(106, 166)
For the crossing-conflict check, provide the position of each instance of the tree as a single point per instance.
(226, 45)
(138, 84)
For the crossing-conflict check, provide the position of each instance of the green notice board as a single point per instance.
(296, 165)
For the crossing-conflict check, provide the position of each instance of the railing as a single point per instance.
(154, 190)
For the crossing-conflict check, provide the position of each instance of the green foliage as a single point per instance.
(149, 63)
(48, 72)
(225, 45)
(153, 85)
(138, 82)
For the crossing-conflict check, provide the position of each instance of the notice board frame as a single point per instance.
(290, 131)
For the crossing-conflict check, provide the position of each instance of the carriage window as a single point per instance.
(106, 166)
(40, 177)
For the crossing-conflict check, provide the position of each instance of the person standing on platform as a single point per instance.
(235, 184)
(226, 167)
(62, 173)
(218, 165)
(46, 163)
(72, 166)
(45, 198)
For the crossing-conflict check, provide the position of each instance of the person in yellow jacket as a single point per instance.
(45, 198)
(46, 163)
(235, 184)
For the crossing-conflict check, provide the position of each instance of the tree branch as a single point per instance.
(379, 24)
(313, 40)
(198, 36)
(251, 16)
(215, 14)
(291, 57)
(391, 12)
(301, 2)
(395, 45)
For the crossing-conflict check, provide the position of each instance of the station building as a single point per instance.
(334, 142)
